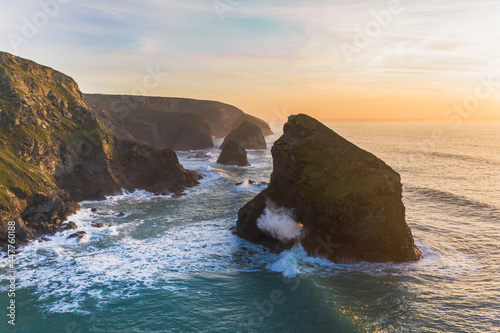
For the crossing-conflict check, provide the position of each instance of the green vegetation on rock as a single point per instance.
(342, 194)
(54, 152)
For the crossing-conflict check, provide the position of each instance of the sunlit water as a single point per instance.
(172, 265)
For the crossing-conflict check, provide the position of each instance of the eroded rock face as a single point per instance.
(127, 165)
(248, 135)
(348, 200)
(233, 154)
(54, 152)
(178, 131)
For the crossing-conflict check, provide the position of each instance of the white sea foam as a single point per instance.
(288, 262)
(436, 262)
(246, 187)
(135, 196)
(59, 243)
(229, 167)
(448, 265)
(210, 174)
(65, 273)
(279, 222)
(259, 165)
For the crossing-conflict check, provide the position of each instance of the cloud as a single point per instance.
(271, 47)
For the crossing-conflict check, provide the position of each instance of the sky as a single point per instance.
(335, 60)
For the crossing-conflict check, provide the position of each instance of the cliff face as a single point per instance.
(108, 165)
(178, 131)
(222, 118)
(348, 200)
(54, 152)
(248, 135)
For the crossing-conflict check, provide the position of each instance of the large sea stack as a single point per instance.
(348, 200)
(248, 135)
(233, 154)
(54, 152)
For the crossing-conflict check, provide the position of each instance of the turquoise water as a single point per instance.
(172, 265)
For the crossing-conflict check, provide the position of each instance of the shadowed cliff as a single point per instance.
(54, 152)
(222, 118)
(178, 131)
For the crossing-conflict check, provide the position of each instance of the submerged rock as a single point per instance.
(199, 155)
(80, 236)
(99, 225)
(178, 195)
(348, 200)
(248, 135)
(233, 154)
(70, 226)
(249, 181)
(76, 234)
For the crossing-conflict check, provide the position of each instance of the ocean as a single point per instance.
(173, 265)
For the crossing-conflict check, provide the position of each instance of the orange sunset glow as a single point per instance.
(257, 166)
(370, 60)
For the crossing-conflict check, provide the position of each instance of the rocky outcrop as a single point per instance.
(199, 154)
(178, 131)
(54, 152)
(222, 118)
(348, 201)
(248, 135)
(233, 154)
(121, 164)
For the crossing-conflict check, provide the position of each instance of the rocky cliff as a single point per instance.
(178, 131)
(54, 152)
(348, 201)
(222, 118)
(248, 135)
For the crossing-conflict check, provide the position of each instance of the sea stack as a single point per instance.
(348, 201)
(248, 135)
(233, 154)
